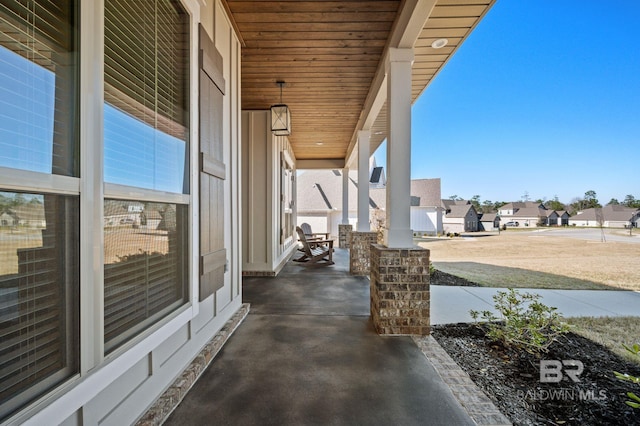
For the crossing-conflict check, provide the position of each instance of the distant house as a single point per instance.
(8, 218)
(563, 218)
(460, 218)
(426, 213)
(488, 222)
(31, 215)
(510, 209)
(551, 217)
(527, 214)
(610, 216)
(320, 200)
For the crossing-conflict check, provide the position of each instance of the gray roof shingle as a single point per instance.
(321, 191)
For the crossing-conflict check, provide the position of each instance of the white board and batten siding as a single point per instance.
(425, 220)
(264, 248)
(121, 388)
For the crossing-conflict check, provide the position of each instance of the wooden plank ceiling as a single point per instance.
(327, 52)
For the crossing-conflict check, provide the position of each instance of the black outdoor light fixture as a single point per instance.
(280, 116)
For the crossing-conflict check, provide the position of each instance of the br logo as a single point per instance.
(551, 370)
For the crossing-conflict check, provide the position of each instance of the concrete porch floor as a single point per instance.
(307, 354)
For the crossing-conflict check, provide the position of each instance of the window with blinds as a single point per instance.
(146, 77)
(38, 294)
(38, 86)
(39, 237)
(146, 129)
(145, 265)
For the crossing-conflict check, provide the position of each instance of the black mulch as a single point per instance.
(512, 379)
(442, 278)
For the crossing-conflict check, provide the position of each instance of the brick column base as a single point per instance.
(343, 235)
(400, 290)
(359, 252)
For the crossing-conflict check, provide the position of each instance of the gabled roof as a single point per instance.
(321, 191)
(488, 217)
(522, 205)
(530, 212)
(615, 213)
(425, 192)
(459, 210)
(446, 203)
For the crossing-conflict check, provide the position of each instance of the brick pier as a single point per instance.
(400, 290)
(343, 235)
(359, 252)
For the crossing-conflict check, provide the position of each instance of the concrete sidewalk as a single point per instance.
(451, 304)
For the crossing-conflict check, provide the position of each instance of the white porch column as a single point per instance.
(398, 234)
(345, 196)
(363, 180)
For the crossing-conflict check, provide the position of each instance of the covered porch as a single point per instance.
(347, 74)
(307, 353)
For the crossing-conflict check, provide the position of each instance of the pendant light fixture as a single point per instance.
(280, 116)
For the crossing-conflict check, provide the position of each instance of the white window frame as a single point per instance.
(93, 191)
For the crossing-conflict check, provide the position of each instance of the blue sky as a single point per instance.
(542, 98)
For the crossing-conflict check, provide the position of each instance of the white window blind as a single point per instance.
(145, 145)
(38, 86)
(146, 83)
(145, 265)
(38, 294)
(39, 238)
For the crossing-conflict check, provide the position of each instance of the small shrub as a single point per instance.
(525, 322)
(432, 269)
(635, 399)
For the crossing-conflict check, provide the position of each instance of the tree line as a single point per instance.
(588, 201)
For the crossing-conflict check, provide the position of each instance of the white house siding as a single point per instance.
(596, 224)
(523, 222)
(489, 225)
(318, 222)
(425, 220)
(117, 389)
(456, 224)
(616, 224)
(263, 250)
(335, 219)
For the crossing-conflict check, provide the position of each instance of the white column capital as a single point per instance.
(364, 134)
(395, 54)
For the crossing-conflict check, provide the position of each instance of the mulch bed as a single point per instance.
(512, 379)
(442, 278)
